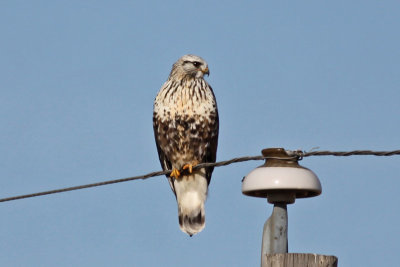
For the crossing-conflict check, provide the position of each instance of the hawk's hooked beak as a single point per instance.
(206, 71)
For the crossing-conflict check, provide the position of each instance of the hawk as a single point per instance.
(185, 122)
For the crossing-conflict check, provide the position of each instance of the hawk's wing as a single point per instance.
(165, 163)
(211, 153)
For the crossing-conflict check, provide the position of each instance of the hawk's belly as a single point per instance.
(185, 139)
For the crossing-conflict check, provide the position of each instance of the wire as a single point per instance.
(352, 153)
(293, 155)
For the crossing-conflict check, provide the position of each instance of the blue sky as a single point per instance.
(78, 80)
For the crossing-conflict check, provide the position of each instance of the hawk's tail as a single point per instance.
(191, 193)
(193, 221)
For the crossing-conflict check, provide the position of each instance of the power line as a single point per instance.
(293, 154)
(351, 153)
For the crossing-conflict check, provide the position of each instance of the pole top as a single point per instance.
(281, 179)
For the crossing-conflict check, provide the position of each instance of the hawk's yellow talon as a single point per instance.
(175, 173)
(190, 166)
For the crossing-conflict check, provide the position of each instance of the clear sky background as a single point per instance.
(77, 84)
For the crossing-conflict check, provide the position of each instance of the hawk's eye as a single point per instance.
(196, 63)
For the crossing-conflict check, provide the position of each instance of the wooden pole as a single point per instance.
(298, 260)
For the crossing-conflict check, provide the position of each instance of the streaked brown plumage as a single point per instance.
(185, 122)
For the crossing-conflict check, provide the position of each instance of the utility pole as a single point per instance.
(281, 180)
(299, 260)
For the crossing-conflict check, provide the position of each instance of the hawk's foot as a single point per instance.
(190, 166)
(175, 173)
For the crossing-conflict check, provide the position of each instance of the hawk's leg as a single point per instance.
(175, 173)
(190, 166)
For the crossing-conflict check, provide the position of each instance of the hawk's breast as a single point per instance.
(185, 120)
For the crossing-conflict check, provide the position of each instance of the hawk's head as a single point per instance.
(189, 66)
